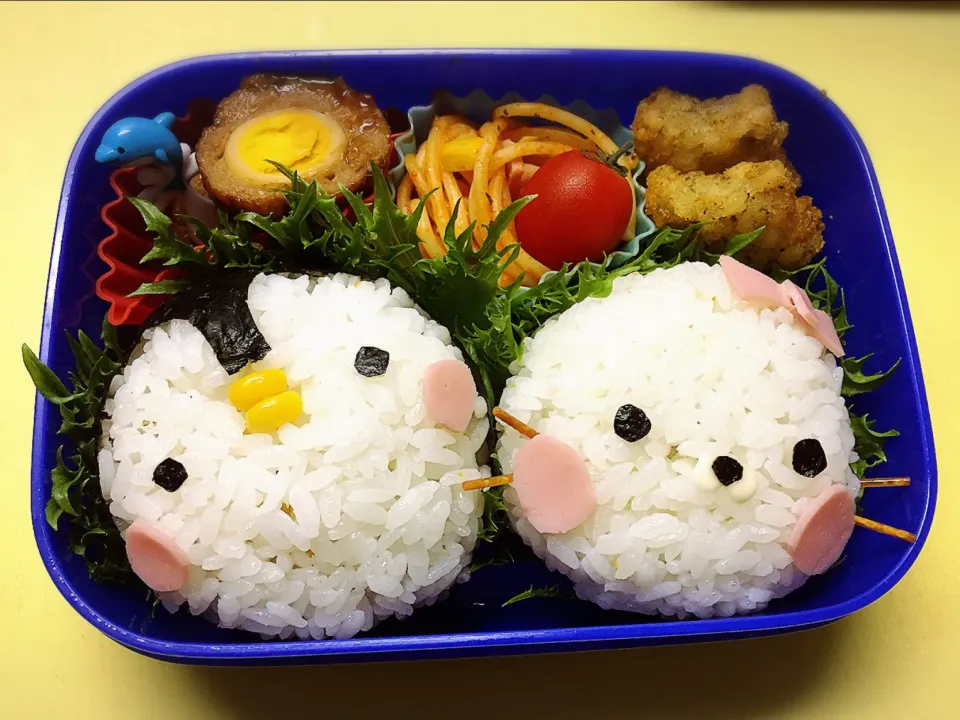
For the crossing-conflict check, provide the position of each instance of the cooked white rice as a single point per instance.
(716, 377)
(381, 525)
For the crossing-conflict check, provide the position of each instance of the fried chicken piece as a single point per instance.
(708, 135)
(365, 130)
(741, 199)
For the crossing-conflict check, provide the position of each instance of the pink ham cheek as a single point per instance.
(156, 558)
(449, 394)
(751, 285)
(819, 323)
(822, 531)
(553, 485)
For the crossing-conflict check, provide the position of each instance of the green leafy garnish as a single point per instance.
(75, 490)
(855, 382)
(501, 556)
(161, 287)
(739, 242)
(869, 443)
(45, 379)
(532, 592)
(166, 245)
(494, 518)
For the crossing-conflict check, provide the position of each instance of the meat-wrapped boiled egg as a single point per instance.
(320, 128)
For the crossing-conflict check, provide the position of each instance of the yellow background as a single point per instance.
(896, 73)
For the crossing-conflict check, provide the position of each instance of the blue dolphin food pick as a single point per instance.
(135, 138)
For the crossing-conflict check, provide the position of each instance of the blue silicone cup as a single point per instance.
(478, 106)
(837, 172)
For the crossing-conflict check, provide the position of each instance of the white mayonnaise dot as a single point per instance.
(703, 475)
(745, 488)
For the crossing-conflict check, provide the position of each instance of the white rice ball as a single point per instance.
(715, 376)
(332, 523)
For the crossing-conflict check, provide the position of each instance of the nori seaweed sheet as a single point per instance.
(217, 307)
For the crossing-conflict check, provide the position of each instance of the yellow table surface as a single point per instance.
(893, 70)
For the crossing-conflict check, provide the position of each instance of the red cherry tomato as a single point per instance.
(581, 211)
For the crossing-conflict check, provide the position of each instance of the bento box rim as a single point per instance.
(427, 645)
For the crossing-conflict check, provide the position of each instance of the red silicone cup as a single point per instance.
(129, 240)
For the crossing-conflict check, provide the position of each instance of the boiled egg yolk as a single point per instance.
(302, 140)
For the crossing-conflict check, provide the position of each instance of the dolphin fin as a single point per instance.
(162, 156)
(166, 119)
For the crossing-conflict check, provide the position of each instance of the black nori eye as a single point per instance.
(170, 475)
(809, 459)
(727, 470)
(120, 149)
(371, 361)
(631, 423)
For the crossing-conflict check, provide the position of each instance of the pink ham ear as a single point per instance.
(758, 289)
(818, 322)
(553, 485)
(822, 531)
(449, 394)
(751, 285)
(156, 558)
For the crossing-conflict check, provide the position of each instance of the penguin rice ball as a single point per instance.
(711, 441)
(311, 487)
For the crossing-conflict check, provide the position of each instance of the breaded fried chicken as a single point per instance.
(741, 199)
(707, 135)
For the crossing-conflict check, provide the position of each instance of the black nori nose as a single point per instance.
(727, 469)
(371, 361)
(631, 423)
(170, 475)
(809, 459)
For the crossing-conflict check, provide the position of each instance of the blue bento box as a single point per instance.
(837, 172)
